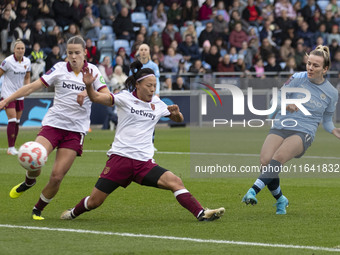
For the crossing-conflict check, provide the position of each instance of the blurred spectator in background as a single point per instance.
(189, 49)
(179, 84)
(23, 32)
(171, 60)
(90, 24)
(119, 77)
(237, 37)
(267, 49)
(225, 65)
(304, 33)
(174, 14)
(169, 34)
(290, 65)
(155, 50)
(119, 61)
(190, 30)
(286, 50)
(287, 7)
(126, 59)
(221, 45)
(78, 12)
(72, 30)
(272, 64)
(333, 48)
(307, 11)
(205, 13)
(220, 25)
(108, 12)
(63, 14)
(39, 36)
(129, 4)
(159, 17)
(155, 39)
(189, 12)
(53, 58)
(123, 26)
(207, 34)
(258, 68)
(334, 35)
(56, 37)
(92, 53)
(240, 66)
(235, 17)
(37, 58)
(5, 29)
(106, 71)
(213, 58)
(252, 14)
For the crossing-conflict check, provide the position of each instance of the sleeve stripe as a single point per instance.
(44, 82)
(101, 88)
(112, 99)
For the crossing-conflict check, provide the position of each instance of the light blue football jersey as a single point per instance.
(324, 98)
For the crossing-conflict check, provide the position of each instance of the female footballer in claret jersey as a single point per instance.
(131, 155)
(292, 140)
(66, 122)
(16, 70)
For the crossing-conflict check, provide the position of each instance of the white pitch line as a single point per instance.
(207, 154)
(196, 240)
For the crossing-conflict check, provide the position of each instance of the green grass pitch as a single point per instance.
(313, 217)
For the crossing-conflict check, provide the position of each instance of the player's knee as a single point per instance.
(264, 160)
(56, 179)
(176, 183)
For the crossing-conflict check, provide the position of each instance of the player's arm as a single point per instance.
(1, 72)
(22, 92)
(103, 97)
(328, 125)
(27, 78)
(175, 114)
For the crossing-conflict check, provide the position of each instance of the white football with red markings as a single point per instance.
(32, 156)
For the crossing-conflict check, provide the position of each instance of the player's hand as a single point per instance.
(336, 132)
(173, 109)
(3, 104)
(88, 78)
(292, 108)
(81, 97)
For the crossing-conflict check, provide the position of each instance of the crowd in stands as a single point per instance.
(184, 35)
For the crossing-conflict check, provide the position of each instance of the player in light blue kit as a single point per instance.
(292, 140)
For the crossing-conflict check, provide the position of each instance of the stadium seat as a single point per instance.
(105, 44)
(283, 65)
(199, 30)
(140, 18)
(106, 32)
(323, 4)
(122, 43)
(104, 54)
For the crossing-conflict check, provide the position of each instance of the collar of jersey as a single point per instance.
(69, 68)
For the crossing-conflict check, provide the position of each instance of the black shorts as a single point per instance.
(306, 138)
(150, 179)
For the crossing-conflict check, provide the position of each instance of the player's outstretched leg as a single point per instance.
(169, 181)
(19, 189)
